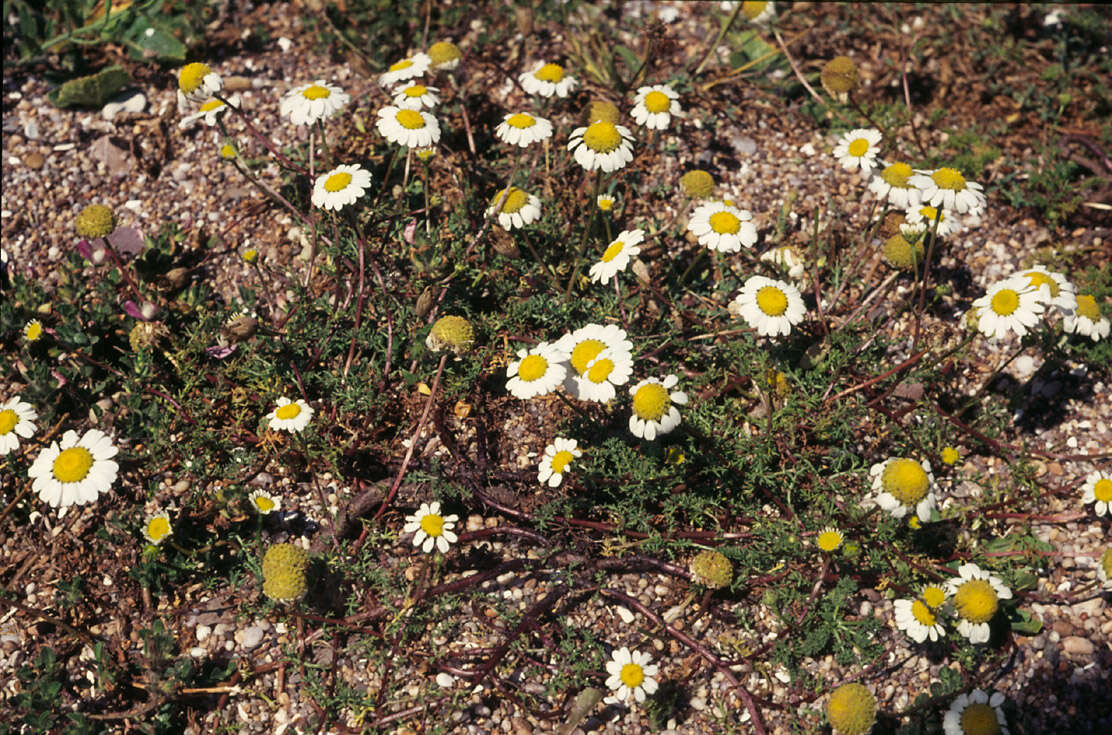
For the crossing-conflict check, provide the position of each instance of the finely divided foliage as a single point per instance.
(785, 404)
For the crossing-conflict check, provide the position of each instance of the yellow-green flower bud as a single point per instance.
(697, 184)
(284, 556)
(851, 709)
(451, 332)
(712, 569)
(95, 220)
(444, 55)
(901, 254)
(839, 76)
(602, 110)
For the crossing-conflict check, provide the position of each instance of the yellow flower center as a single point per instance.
(416, 90)
(897, 175)
(950, 455)
(158, 528)
(905, 480)
(33, 331)
(979, 719)
(613, 251)
(651, 401)
(550, 73)
(933, 596)
(432, 524)
(1102, 490)
(1005, 302)
(442, 52)
(605, 203)
(752, 9)
(521, 121)
(1039, 279)
(561, 461)
(602, 137)
(410, 119)
(403, 64)
(772, 301)
(584, 352)
(921, 612)
(316, 92)
(532, 367)
(724, 223)
(1087, 307)
(600, 370)
(851, 709)
(976, 601)
(656, 102)
(515, 200)
(8, 420)
(73, 464)
(227, 151)
(264, 503)
(949, 178)
(337, 182)
(632, 675)
(211, 105)
(191, 76)
(829, 540)
(288, 411)
(859, 148)
(929, 213)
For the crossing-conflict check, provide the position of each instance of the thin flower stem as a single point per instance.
(926, 274)
(267, 143)
(413, 441)
(718, 39)
(583, 241)
(621, 305)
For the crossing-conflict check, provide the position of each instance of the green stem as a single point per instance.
(583, 239)
(721, 32)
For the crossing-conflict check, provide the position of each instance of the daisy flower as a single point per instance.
(408, 68)
(557, 456)
(976, 713)
(587, 343)
(631, 676)
(416, 96)
(654, 106)
(893, 183)
(976, 595)
(536, 371)
(1010, 304)
(16, 420)
(290, 415)
(597, 382)
(920, 220)
(340, 187)
(1053, 289)
(721, 226)
(444, 56)
(759, 13)
(518, 209)
(209, 112)
(617, 255)
(771, 307)
(604, 202)
(851, 709)
(523, 129)
(157, 528)
(919, 617)
(431, 529)
(903, 485)
(75, 471)
(547, 80)
(411, 128)
(946, 187)
(32, 330)
(1085, 320)
(1098, 489)
(858, 149)
(829, 539)
(197, 82)
(264, 503)
(602, 145)
(654, 407)
(309, 103)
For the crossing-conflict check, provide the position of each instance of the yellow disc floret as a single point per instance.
(897, 175)
(712, 569)
(651, 401)
(433, 524)
(561, 461)
(612, 251)
(337, 181)
(73, 464)
(584, 353)
(724, 223)
(191, 76)
(1005, 302)
(697, 184)
(979, 719)
(772, 301)
(8, 420)
(521, 121)
(410, 119)
(95, 220)
(288, 411)
(1087, 307)
(905, 480)
(1102, 490)
(949, 178)
(632, 675)
(532, 367)
(602, 137)
(515, 200)
(976, 601)
(550, 73)
(656, 102)
(859, 147)
(839, 76)
(452, 332)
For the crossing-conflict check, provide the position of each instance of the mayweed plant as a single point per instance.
(570, 382)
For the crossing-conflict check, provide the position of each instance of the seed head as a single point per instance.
(839, 76)
(697, 184)
(451, 332)
(602, 110)
(95, 220)
(851, 709)
(712, 569)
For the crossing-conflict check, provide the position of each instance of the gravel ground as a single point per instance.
(151, 172)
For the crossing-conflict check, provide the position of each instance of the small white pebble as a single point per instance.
(624, 614)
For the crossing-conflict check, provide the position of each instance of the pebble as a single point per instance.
(31, 130)
(131, 102)
(1078, 646)
(34, 160)
(203, 632)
